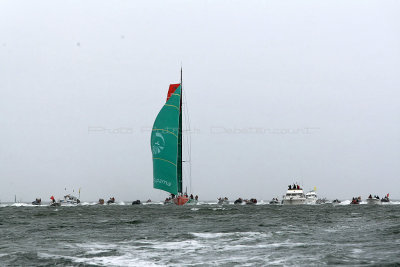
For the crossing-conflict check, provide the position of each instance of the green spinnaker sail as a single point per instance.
(166, 146)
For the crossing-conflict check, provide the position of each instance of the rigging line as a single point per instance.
(187, 117)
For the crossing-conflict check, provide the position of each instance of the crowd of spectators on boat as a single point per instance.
(356, 200)
(384, 199)
(173, 196)
(294, 187)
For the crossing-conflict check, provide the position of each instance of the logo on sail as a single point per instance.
(158, 144)
(162, 181)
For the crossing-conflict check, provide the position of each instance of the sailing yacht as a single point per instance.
(166, 146)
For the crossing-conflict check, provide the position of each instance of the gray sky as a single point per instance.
(278, 92)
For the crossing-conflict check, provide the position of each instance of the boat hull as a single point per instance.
(180, 200)
(294, 201)
(311, 201)
(374, 201)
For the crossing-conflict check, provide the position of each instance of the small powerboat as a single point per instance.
(238, 201)
(251, 201)
(336, 201)
(356, 200)
(385, 199)
(274, 201)
(37, 202)
(70, 199)
(136, 202)
(373, 200)
(53, 202)
(111, 201)
(223, 201)
(311, 197)
(168, 201)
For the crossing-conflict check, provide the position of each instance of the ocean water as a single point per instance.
(200, 235)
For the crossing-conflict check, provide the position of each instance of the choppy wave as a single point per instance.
(205, 234)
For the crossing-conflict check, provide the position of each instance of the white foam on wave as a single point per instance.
(154, 203)
(211, 203)
(178, 245)
(232, 234)
(194, 209)
(22, 205)
(356, 251)
(233, 247)
(121, 260)
(88, 203)
(94, 245)
(345, 202)
(238, 247)
(211, 235)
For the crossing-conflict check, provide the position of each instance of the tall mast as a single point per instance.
(180, 174)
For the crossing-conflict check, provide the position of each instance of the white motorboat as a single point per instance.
(70, 199)
(223, 201)
(311, 197)
(274, 201)
(294, 197)
(373, 201)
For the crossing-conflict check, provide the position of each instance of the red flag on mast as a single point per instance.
(171, 90)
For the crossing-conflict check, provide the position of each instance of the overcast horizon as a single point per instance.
(277, 91)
